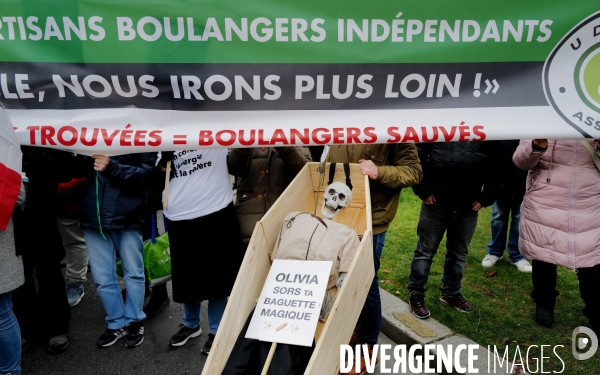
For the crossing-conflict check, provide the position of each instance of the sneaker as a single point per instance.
(135, 334)
(523, 266)
(184, 334)
(208, 344)
(74, 293)
(58, 344)
(110, 336)
(458, 302)
(416, 301)
(155, 306)
(489, 261)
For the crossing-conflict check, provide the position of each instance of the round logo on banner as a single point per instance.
(572, 77)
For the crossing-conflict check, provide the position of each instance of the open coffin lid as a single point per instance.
(301, 195)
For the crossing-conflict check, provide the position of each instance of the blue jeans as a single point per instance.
(127, 245)
(369, 321)
(434, 221)
(10, 338)
(216, 308)
(504, 208)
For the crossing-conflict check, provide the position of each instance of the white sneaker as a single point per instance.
(489, 260)
(523, 266)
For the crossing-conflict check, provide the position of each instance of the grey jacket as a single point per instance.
(11, 266)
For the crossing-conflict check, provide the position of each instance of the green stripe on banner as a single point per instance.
(276, 31)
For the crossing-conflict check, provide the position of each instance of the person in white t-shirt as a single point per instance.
(204, 235)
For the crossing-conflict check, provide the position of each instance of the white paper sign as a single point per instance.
(288, 308)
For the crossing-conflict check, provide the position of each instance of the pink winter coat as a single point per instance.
(560, 215)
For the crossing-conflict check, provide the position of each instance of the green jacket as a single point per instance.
(397, 167)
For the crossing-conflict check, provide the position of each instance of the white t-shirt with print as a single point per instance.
(200, 185)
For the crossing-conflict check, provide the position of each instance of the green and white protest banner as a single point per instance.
(136, 75)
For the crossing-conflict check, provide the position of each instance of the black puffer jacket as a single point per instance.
(455, 172)
(122, 192)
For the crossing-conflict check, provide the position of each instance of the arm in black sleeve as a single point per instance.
(494, 176)
(424, 189)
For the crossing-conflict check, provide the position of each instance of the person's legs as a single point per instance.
(26, 305)
(513, 235)
(460, 232)
(544, 291)
(499, 226)
(103, 263)
(543, 278)
(76, 258)
(76, 252)
(129, 245)
(589, 280)
(191, 314)
(10, 338)
(369, 321)
(52, 297)
(191, 324)
(432, 225)
(216, 308)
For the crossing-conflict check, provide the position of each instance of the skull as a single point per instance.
(337, 196)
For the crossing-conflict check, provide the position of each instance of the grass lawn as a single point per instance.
(503, 309)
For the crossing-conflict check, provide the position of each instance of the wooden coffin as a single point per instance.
(302, 195)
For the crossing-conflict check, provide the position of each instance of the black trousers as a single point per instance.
(45, 311)
(42, 311)
(544, 288)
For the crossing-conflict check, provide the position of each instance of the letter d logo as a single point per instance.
(581, 343)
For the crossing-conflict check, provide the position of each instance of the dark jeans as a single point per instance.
(434, 221)
(506, 207)
(544, 288)
(369, 321)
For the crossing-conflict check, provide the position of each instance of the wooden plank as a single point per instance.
(345, 312)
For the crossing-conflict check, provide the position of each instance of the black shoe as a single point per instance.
(58, 344)
(110, 336)
(184, 334)
(208, 344)
(416, 301)
(544, 317)
(135, 334)
(156, 305)
(458, 302)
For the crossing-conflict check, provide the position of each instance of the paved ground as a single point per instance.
(153, 357)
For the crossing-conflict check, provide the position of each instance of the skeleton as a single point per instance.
(336, 197)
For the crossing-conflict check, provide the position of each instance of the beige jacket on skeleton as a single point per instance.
(307, 237)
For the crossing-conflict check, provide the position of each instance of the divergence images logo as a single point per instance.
(581, 342)
(572, 77)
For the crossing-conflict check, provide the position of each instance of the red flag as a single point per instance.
(10, 169)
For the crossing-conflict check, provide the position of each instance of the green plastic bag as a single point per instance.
(157, 261)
